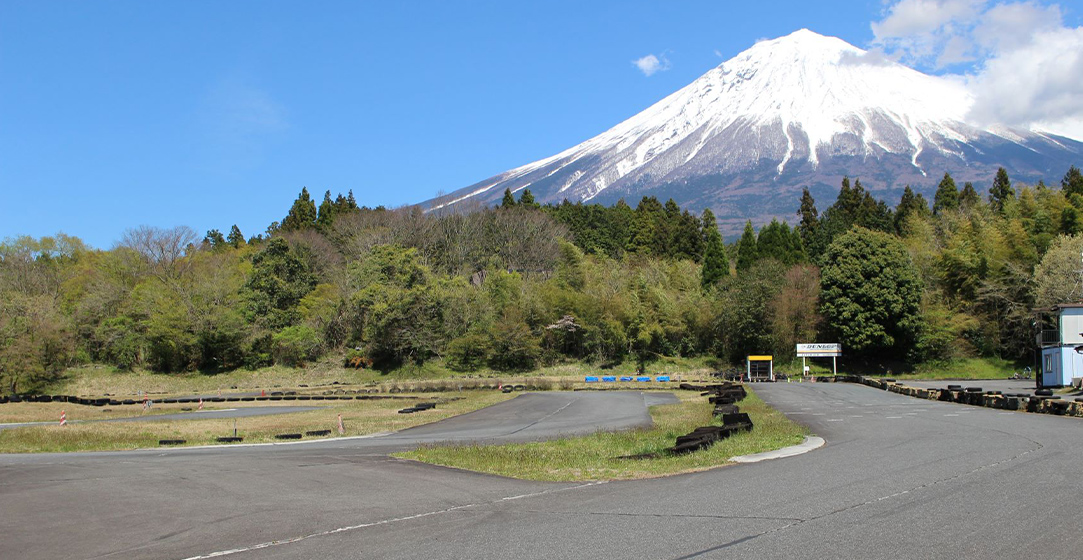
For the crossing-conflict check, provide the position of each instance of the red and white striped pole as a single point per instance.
(63, 418)
(341, 428)
(201, 403)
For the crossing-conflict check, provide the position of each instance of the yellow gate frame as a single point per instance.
(770, 366)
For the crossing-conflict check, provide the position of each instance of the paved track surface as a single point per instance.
(898, 478)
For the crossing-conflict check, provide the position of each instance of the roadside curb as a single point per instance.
(810, 443)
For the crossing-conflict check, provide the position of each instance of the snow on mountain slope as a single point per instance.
(803, 109)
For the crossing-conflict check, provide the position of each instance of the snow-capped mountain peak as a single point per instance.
(787, 110)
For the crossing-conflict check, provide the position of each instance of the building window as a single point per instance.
(1048, 363)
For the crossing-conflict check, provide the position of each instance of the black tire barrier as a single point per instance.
(114, 402)
(276, 398)
(233, 399)
(737, 419)
(973, 389)
(216, 399)
(304, 398)
(506, 389)
(229, 439)
(186, 400)
(721, 409)
(289, 397)
(128, 401)
(1044, 392)
(425, 406)
(318, 433)
(262, 398)
(247, 399)
(3, 400)
(172, 441)
(520, 387)
(288, 436)
(955, 387)
(169, 401)
(409, 410)
(1059, 407)
(276, 393)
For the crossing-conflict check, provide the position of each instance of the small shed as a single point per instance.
(1060, 340)
(760, 368)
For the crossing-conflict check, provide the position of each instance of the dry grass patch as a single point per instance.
(360, 418)
(597, 457)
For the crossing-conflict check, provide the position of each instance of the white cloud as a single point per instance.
(1041, 81)
(910, 18)
(650, 64)
(1022, 64)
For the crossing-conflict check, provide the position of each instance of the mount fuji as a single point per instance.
(802, 110)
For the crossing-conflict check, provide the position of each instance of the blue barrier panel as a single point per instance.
(626, 378)
(663, 378)
(643, 378)
(591, 379)
(609, 378)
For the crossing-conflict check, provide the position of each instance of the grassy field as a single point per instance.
(359, 418)
(102, 380)
(967, 368)
(597, 457)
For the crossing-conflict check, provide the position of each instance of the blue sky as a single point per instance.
(116, 114)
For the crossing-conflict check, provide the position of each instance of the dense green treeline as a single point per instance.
(523, 285)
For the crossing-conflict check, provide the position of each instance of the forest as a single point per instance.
(522, 285)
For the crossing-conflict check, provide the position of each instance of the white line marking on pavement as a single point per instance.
(893, 417)
(269, 544)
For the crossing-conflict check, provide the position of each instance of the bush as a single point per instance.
(514, 348)
(467, 353)
(293, 346)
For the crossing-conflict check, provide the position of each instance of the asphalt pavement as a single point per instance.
(899, 478)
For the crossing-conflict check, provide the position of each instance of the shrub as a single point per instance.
(467, 353)
(293, 346)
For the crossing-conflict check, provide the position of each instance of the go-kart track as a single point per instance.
(899, 477)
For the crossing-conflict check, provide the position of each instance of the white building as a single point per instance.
(1061, 345)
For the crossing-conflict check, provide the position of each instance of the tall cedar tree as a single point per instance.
(1001, 190)
(325, 215)
(715, 263)
(527, 199)
(810, 218)
(969, 196)
(1072, 182)
(302, 215)
(508, 201)
(235, 238)
(947, 195)
(747, 252)
(911, 204)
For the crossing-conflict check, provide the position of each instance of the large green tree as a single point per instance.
(871, 293)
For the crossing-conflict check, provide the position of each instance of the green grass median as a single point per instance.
(598, 456)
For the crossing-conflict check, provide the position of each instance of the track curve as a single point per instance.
(899, 477)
